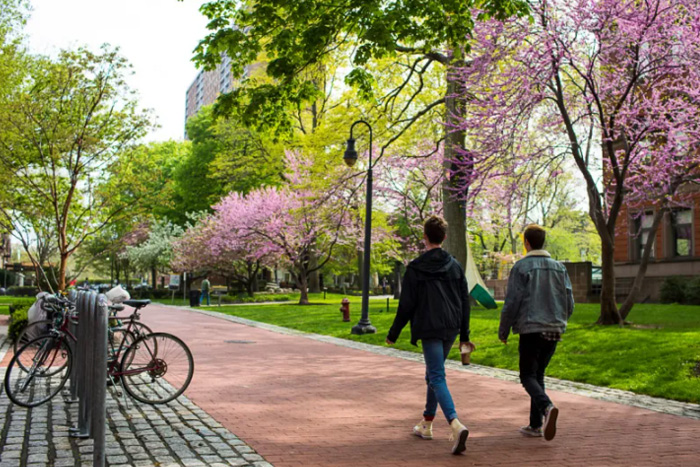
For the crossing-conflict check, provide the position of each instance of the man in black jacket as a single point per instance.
(435, 299)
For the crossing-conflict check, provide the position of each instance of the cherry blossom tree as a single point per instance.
(612, 85)
(209, 246)
(308, 214)
(409, 187)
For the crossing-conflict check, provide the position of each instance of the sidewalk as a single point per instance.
(302, 402)
(178, 434)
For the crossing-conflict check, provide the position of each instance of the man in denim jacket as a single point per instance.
(539, 302)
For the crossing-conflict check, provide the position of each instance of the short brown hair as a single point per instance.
(535, 236)
(435, 228)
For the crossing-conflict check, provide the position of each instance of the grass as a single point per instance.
(7, 300)
(656, 356)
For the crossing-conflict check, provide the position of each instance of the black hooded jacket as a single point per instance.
(434, 298)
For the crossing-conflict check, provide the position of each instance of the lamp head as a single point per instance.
(350, 156)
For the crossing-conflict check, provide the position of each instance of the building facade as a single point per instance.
(207, 87)
(676, 249)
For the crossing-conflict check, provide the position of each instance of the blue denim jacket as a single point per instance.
(539, 296)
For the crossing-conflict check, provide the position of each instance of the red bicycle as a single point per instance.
(153, 368)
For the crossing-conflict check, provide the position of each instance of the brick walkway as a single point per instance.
(177, 434)
(303, 402)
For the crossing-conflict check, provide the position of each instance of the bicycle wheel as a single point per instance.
(32, 331)
(157, 375)
(48, 361)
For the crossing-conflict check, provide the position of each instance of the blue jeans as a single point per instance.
(201, 297)
(435, 352)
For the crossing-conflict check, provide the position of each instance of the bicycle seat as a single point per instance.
(136, 303)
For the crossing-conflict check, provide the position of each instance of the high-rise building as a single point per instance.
(207, 86)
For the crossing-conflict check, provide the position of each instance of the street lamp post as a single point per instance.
(363, 326)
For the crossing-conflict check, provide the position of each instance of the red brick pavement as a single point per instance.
(300, 402)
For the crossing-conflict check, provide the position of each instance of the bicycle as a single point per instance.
(42, 327)
(141, 369)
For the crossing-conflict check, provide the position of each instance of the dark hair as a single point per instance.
(435, 228)
(535, 236)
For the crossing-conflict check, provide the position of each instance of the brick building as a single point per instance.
(207, 86)
(676, 250)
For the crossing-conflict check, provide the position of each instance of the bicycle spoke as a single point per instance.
(157, 368)
(48, 362)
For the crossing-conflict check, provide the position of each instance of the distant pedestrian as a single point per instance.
(205, 290)
(435, 299)
(383, 285)
(539, 302)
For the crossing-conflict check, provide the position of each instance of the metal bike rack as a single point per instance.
(89, 374)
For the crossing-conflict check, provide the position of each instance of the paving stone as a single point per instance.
(175, 435)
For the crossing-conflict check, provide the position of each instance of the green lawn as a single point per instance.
(655, 356)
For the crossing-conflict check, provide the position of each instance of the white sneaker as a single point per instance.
(459, 436)
(424, 429)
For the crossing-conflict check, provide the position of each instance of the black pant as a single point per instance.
(535, 354)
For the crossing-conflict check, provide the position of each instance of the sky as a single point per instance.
(156, 36)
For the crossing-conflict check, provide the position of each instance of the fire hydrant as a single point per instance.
(345, 309)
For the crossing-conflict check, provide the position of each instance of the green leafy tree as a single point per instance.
(294, 37)
(156, 252)
(59, 133)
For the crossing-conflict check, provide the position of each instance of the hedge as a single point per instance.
(256, 298)
(18, 321)
(678, 289)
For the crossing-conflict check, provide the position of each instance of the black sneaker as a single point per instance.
(550, 422)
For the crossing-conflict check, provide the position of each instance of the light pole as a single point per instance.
(363, 326)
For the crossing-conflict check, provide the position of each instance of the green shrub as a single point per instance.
(24, 291)
(692, 291)
(674, 289)
(243, 298)
(162, 293)
(18, 321)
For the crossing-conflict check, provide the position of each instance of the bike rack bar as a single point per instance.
(89, 375)
(99, 409)
(72, 396)
(80, 430)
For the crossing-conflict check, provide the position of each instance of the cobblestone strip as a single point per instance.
(175, 434)
(656, 404)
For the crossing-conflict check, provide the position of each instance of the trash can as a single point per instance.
(194, 297)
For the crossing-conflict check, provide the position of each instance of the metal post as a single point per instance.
(80, 430)
(99, 350)
(364, 326)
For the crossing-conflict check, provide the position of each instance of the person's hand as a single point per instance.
(467, 344)
(505, 341)
(388, 342)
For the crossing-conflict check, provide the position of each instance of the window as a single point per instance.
(642, 231)
(682, 232)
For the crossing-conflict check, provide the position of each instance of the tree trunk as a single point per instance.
(61, 272)
(609, 313)
(153, 277)
(454, 209)
(314, 282)
(302, 283)
(249, 288)
(641, 272)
